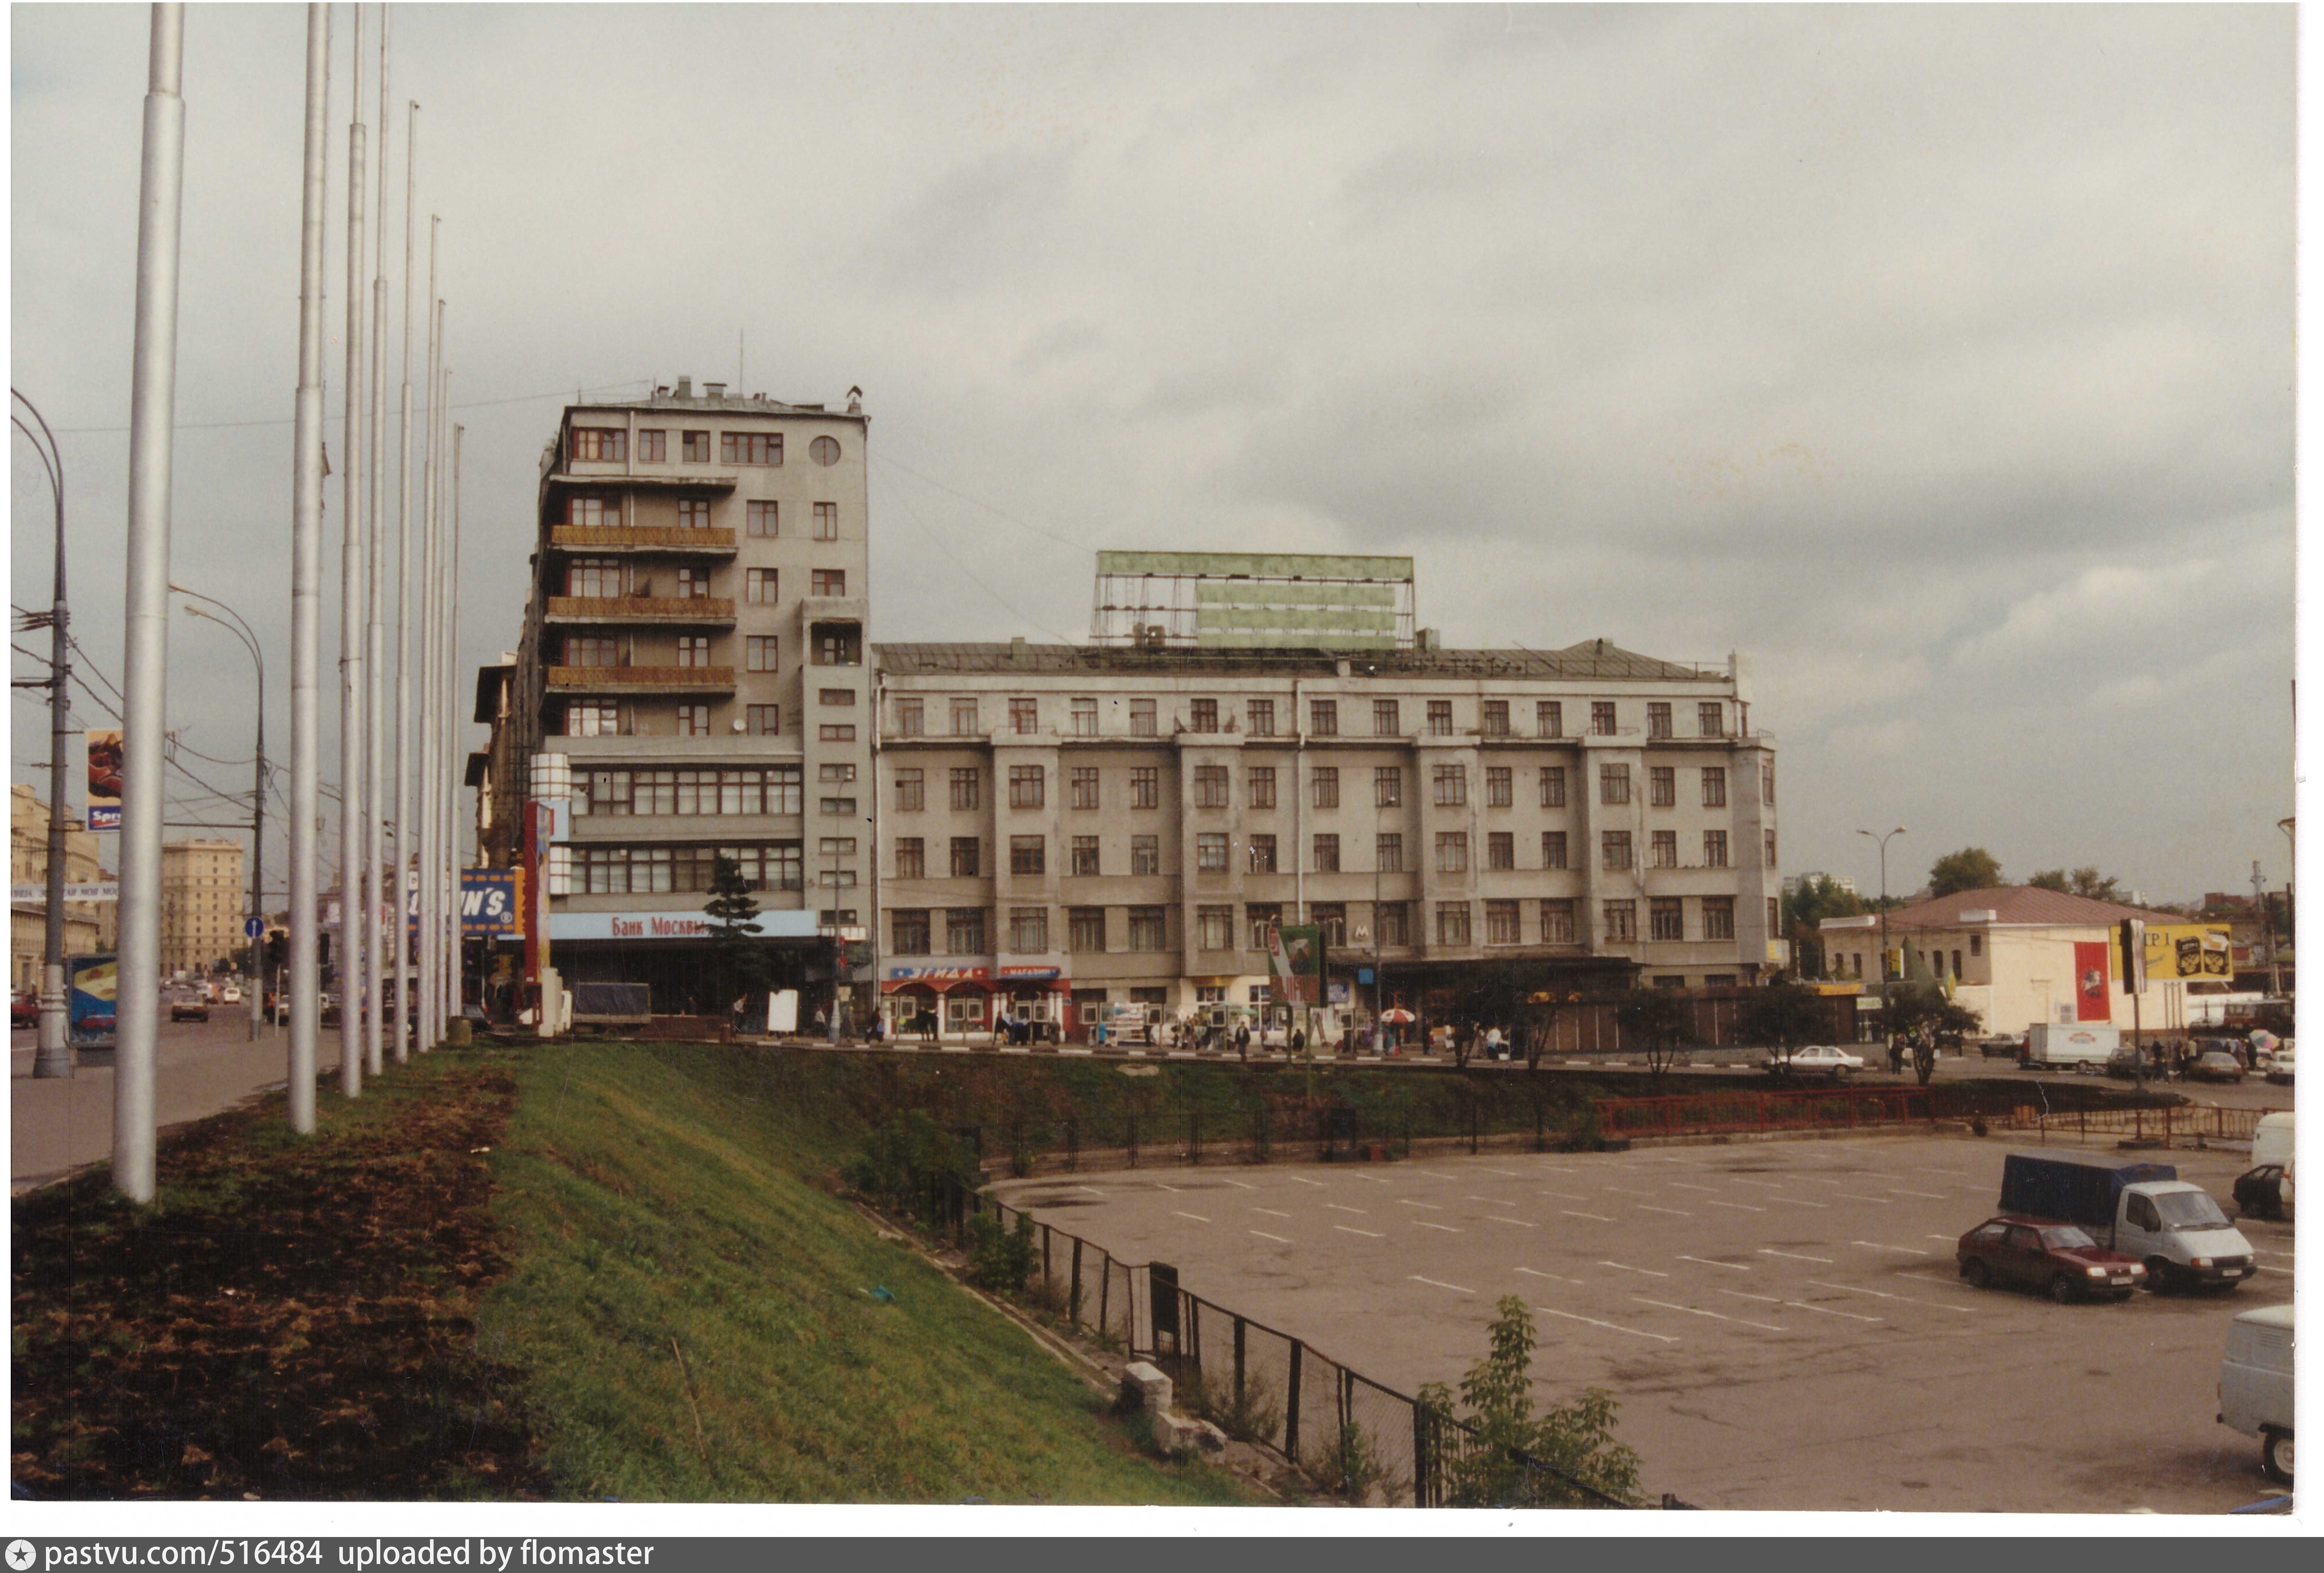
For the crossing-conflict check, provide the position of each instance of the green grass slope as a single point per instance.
(693, 1321)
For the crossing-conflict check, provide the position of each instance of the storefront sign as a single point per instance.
(490, 901)
(1013, 973)
(100, 891)
(939, 974)
(674, 925)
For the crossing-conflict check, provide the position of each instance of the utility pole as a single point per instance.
(353, 902)
(456, 947)
(152, 401)
(307, 589)
(2259, 897)
(242, 631)
(379, 911)
(406, 842)
(54, 1055)
(430, 574)
(1883, 840)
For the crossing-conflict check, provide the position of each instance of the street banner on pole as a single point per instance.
(105, 779)
(1294, 963)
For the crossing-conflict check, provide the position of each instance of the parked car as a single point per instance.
(194, 1008)
(24, 1011)
(2256, 1386)
(2002, 1046)
(2280, 1072)
(2123, 1063)
(1817, 1060)
(2140, 1208)
(231, 995)
(2259, 1192)
(2216, 1065)
(2062, 1259)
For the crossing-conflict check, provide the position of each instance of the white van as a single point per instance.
(2256, 1386)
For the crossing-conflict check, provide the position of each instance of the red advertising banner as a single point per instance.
(2090, 1002)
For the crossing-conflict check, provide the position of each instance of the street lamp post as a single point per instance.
(1883, 840)
(241, 630)
(53, 1055)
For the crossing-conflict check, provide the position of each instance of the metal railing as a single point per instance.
(2167, 1126)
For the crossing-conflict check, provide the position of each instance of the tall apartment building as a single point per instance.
(1068, 826)
(204, 899)
(691, 677)
(88, 925)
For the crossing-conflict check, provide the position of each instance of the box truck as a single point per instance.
(2140, 1210)
(2090, 1043)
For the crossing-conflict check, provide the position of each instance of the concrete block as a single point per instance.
(1173, 1432)
(1145, 1387)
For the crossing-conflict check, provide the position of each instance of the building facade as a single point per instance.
(1065, 828)
(88, 925)
(692, 678)
(205, 898)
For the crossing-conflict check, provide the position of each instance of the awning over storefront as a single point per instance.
(935, 979)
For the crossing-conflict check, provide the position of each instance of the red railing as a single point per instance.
(1713, 1113)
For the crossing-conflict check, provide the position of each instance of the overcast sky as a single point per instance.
(1938, 361)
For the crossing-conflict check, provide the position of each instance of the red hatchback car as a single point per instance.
(2043, 1254)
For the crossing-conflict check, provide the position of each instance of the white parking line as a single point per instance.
(1593, 1216)
(2266, 1251)
(1826, 1311)
(1092, 1190)
(1765, 1184)
(1714, 1316)
(1238, 1185)
(1270, 1212)
(1521, 1223)
(1171, 1189)
(1924, 1195)
(1739, 1294)
(1408, 1202)
(1707, 1261)
(1816, 1179)
(1626, 1267)
(1505, 1173)
(1801, 1202)
(1436, 1283)
(1682, 1185)
(1770, 1251)
(1488, 1200)
(1304, 1180)
(1529, 1273)
(1346, 1230)
(1372, 1178)
(1876, 1245)
(1263, 1235)
(1948, 1239)
(1626, 1190)
(1613, 1326)
(1908, 1299)
(1859, 1196)
(1561, 1194)
(1556, 1169)
(2264, 1267)
(1740, 1207)
(1953, 1173)
(1433, 1175)
(1336, 1207)
(1647, 1206)
(1196, 1217)
(1446, 1228)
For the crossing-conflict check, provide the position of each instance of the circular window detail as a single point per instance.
(824, 450)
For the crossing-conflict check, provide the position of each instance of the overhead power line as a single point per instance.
(471, 405)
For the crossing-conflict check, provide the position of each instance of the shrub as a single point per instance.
(902, 1160)
(1481, 1468)
(1000, 1259)
(1255, 1415)
(1348, 1466)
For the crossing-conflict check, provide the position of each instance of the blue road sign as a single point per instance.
(251, 928)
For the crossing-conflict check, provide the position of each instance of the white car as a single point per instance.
(1817, 1060)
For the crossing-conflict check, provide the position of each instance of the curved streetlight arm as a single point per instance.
(52, 1053)
(241, 630)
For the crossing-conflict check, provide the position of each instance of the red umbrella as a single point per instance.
(1397, 1014)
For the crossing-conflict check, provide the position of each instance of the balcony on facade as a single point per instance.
(663, 540)
(641, 680)
(600, 473)
(704, 611)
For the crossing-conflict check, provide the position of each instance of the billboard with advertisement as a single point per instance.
(2090, 972)
(104, 757)
(492, 902)
(2177, 951)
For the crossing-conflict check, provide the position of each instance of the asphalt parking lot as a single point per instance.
(1781, 1320)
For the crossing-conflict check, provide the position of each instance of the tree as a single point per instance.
(1970, 868)
(1491, 1467)
(1785, 1016)
(1805, 906)
(1663, 1024)
(2082, 882)
(1919, 1016)
(740, 960)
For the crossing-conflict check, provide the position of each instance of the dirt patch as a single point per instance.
(290, 1318)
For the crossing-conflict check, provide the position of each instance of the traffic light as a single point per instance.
(323, 955)
(278, 950)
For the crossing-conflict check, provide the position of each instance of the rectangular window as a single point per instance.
(835, 698)
(595, 577)
(1393, 922)
(1141, 718)
(1263, 918)
(1324, 786)
(1714, 849)
(839, 805)
(911, 717)
(750, 448)
(1616, 845)
(1452, 923)
(1768, 783)
(1084, 853)
(1024, 715)
(1553, 849)
(827, 581)
(1666, 919)
(1084, 786)
(697, 445)
(1388, 852)
(1028, 855)
(1452, 782)
(1549, 718)
(693, 649)
(591, 650)
(1662, 787)
(1718, 917)
(964, 717)
(1387, 786)
(1323, 717)
(1771, 849)
(1501, 850)
(1150, 929)
(911, 857)
(1710, 718)
(967, 787)
(1451, 852)
(1262, 855)
(1259, 717)
(1622, 920)
(1440, 717)
(1028, 930)
(1714, 787)
(826, 521)
(1552, 786)
(1663, 849)
(910, 928)
(1557, 923)
(694, 720)
(693, 584)
(1500, 788)
(1085, 928)
(829, 733)
(1326, 855)
(1501, 923)
(597, 444)
(694, 513)
(1384, 720)
(1331, 917)
(1658, 720)
(1146, 786)
(1082, 714)
(911, 791)
(1145, 855)
(965, 930)
(1601, 718)
(1211, 852)
(1203, 716)
(1263, 786)
(653, 447)
(1496, 718)
(1210, 786)
(589, 513)
(1215, 928)
(761, 519)
(968, 856)
(1613, 784)
(1028, 786)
